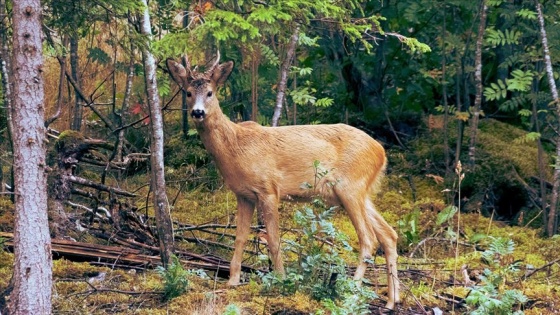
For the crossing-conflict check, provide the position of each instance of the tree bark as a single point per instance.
(78, 108)
(478, 83)
(6, 88)
(33, 264)
(184, 107)
(284, 70)
(552, 217)
(161, 203)
(444, 94)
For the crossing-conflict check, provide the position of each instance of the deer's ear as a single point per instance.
(177, 71)
(222, 72)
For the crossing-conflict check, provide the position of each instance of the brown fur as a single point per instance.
(263, 165)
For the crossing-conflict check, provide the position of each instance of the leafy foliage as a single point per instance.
(175, 278)
(489, 297)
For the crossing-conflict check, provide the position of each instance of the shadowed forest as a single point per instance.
(462, 95)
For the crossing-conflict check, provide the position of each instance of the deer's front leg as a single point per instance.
(244, 217)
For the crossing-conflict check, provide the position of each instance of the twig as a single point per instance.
(541, 268)
(411, 255)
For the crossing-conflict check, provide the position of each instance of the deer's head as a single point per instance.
(200, 87)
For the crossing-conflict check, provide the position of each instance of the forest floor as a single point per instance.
(492, 262)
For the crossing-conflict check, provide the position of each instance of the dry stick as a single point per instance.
(85, 182)
(541, 268)
(437, 239)
(101, 290)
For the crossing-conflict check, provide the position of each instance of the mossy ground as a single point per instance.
(425, 278)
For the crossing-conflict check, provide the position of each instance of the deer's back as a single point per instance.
(297, 160)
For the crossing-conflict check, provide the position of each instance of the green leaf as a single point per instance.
(98, 55)
(446, 215)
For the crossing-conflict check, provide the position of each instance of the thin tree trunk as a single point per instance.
(60, 91)
(478, 83)
(184, 110)
(32, 265)
(460, 123)
(541, 162)
(552, 224)
(254, 84)
(161, 203)
(284, 70)
(444, 95)
(78, 109)
(6, 88)
(125, 104)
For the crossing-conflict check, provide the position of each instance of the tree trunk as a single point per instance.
(184, 109)
(478, 82)
(255, 60)
(161, 203)
(33, 265)
(125, 104)
(552, 218)
(444, 94)
(6, 88)
(78, 108)
(541, 156)
(284, 70)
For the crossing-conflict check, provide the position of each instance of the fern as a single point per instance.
(521, 80)
(269, 55)
(514, 103)
(496, 91)
(527, 14)
(498, 38)
(528, 138)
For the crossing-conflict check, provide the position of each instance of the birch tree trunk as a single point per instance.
(161, 203)
(33, 265)
(552, 217)
(478, 82)
(284, 70)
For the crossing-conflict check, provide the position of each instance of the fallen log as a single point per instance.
(123, 256)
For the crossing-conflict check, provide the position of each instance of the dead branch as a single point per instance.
(532, 272)
(439, 239)
(89, 183)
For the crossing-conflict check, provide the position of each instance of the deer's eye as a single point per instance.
(209, 94)
(189, 94)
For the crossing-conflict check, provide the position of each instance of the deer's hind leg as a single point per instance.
(356, 210)
(267, 205)
(388, 240)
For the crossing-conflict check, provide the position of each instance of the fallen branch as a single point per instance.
(89, 183)
(532, 272)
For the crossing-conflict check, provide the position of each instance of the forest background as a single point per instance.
(436, 82)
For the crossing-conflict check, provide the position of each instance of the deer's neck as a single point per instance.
(218, 134)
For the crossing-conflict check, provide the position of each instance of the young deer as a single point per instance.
(263, 165)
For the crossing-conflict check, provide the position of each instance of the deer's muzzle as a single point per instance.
(198, 114)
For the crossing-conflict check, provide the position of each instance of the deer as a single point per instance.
(264, 165)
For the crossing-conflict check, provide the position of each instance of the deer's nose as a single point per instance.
(198, 113)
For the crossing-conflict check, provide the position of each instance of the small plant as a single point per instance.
(232, 309)
(490, 297)
(408, 227)
(175, 279)
(319, 270)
